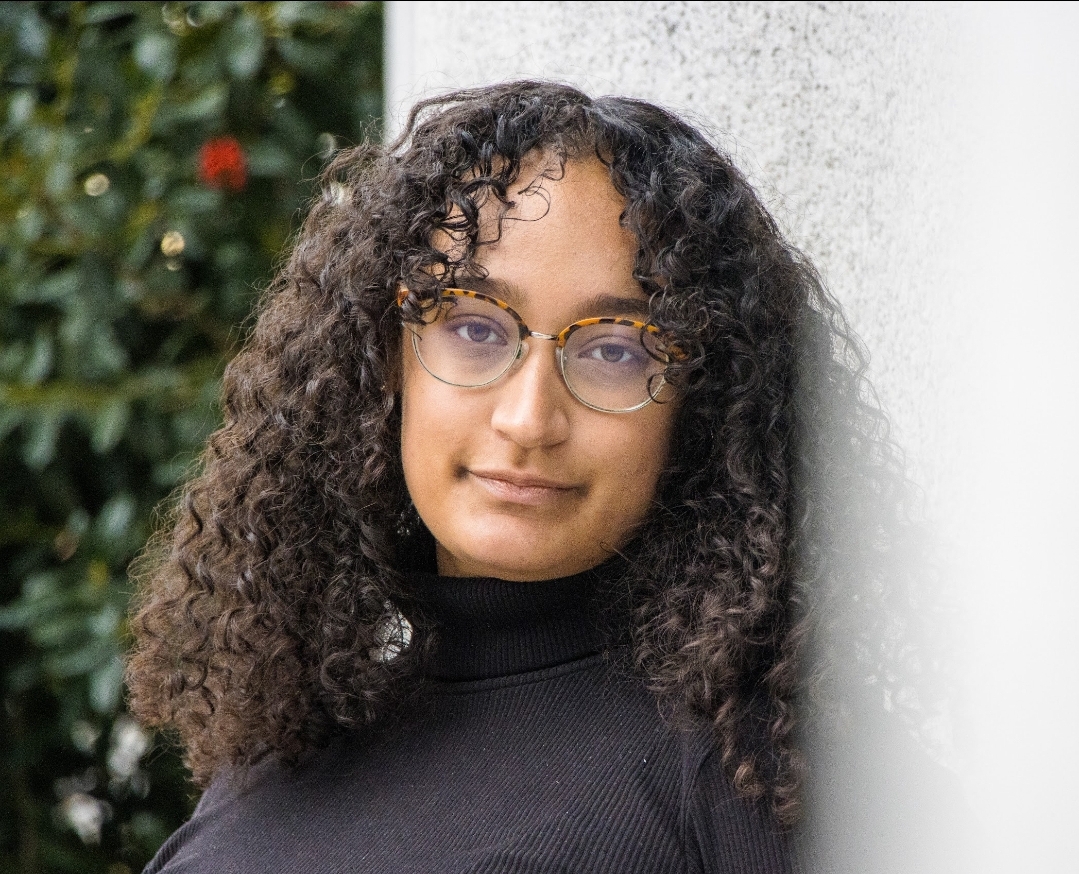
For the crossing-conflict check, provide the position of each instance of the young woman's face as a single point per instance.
(518, 479)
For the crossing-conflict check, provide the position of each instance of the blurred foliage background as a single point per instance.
(154, 160)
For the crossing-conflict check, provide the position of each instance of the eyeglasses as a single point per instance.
(469, 339)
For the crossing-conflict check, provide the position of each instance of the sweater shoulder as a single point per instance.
(724, 831)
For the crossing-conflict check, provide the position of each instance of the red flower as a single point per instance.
(222, 164)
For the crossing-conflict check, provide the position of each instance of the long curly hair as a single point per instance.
(268, 605)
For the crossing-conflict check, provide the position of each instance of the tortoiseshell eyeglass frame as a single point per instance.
(524, 332)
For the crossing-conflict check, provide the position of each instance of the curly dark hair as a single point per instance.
(269, 601)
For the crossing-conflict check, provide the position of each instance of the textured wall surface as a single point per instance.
(924, 157)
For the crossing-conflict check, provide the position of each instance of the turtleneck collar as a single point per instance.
(487, 628)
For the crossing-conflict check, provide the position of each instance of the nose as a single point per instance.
(531, 405)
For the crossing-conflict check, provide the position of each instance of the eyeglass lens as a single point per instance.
(472, 342)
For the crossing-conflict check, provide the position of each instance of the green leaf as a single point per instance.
(105, 623)
(115, 517)
(156, 54)
(207, 107)
(141, 251)
(190, 199)
(21, 108)
(267, 158)
(58, 287)
(242, 45)
(22, 678)
(100, 13)
(59, 178)
(106, 684)
(39, 447)
(15, 616)
(10, 419)
(39, 363)
(54, 631)
(94, 656)
(109, 425)
(29, 223)
(33, 36)
(106, 356)
(149, 830)
(306, 57)
(167, 474)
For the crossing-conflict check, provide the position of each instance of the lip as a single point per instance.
(521, 488)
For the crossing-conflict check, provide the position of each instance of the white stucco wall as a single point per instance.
(924, 156)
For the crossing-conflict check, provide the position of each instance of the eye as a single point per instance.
(613, 347)
(610, 353)
(478, 330)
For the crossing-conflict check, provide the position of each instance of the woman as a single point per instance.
(511, 457)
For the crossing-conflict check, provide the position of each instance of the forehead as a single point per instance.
(562, 239)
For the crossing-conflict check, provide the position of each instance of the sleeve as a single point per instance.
(728, 834)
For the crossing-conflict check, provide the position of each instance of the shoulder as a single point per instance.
(222, 833)
(681, 765)
(179, 853)
(723, 830)
(720, 830)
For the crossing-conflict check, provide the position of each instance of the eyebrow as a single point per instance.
(594, 305)
(613, 305)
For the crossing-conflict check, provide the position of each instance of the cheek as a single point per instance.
(417, 437)
(435, 425)
(635, 461)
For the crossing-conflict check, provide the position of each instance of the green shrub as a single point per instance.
(153, 162)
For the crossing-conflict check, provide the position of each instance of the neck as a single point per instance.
(484, 627)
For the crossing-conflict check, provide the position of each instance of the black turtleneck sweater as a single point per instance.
(533, 751)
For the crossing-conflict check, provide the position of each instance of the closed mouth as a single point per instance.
(523, 481)
(518, 486)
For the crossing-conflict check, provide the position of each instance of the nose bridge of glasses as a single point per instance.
(539, 335)
(523, 347)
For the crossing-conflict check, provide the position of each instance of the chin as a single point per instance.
(513, 548)
(508, 564)
(511, 554)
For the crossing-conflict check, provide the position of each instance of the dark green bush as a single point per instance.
(153, 162)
